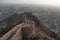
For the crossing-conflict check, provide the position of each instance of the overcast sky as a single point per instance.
(44, 2)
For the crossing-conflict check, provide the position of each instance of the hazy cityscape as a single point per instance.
(46, 14)
(50, 16)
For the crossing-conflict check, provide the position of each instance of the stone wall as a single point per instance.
(26, 29)
(12, 32)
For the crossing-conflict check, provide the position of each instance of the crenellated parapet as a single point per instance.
(25, 29)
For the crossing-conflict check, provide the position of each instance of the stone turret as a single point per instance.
(28, 29)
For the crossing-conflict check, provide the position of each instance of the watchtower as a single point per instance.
(28, 29)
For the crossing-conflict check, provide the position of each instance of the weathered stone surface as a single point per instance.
(28, 29)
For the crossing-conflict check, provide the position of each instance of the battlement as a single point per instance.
(26, 29)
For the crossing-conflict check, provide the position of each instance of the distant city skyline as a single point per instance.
(40, 2)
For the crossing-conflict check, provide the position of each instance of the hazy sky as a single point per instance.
(44, 2)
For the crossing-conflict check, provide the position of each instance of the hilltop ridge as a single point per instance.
(44, 32)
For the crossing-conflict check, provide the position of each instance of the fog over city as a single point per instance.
(40, 2)
(47, 13)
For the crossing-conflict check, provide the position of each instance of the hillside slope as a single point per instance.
(41, 30)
